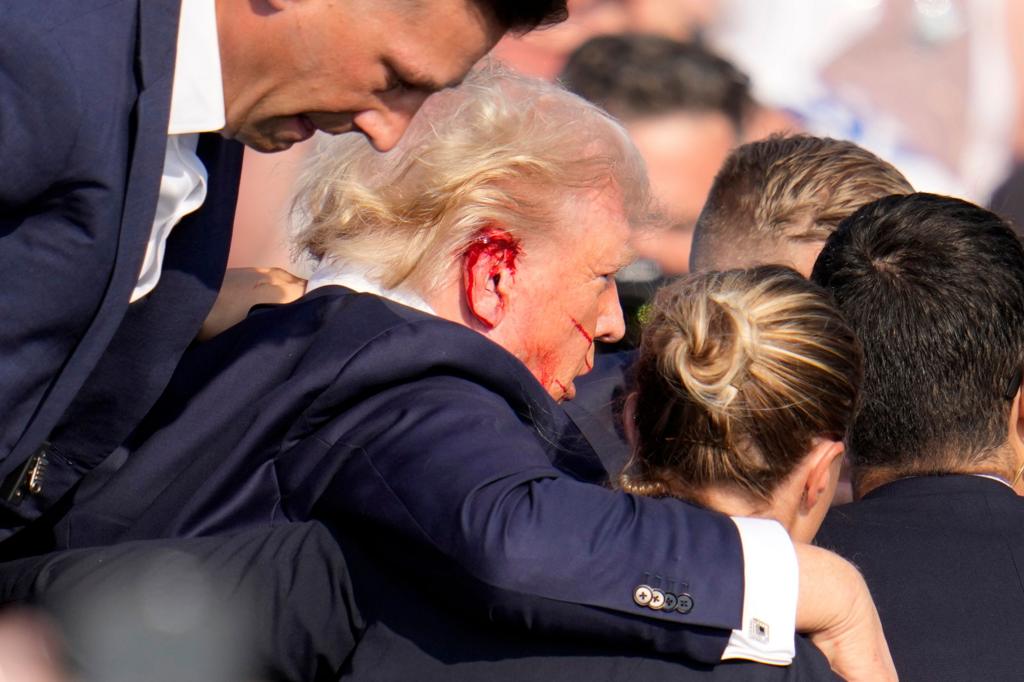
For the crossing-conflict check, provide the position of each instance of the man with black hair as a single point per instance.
(934, 287)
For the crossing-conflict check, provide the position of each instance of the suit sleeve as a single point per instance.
(447, 466)
(61, 179)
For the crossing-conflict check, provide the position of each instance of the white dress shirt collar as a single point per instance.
(355, 278)
(197, 99)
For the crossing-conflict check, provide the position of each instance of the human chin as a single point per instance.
(276, 134)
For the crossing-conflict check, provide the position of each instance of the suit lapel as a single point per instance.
(157, 32)
(157, 41)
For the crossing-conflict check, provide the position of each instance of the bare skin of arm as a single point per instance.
(835, 608)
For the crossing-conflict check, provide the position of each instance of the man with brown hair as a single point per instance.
(777, 201)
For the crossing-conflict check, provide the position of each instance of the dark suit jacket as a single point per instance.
(442, 446)
(410, 637)
(85, 89)
(943, 556)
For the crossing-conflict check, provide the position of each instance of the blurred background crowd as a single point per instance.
(932, 86)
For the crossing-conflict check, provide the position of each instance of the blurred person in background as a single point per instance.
(934, 288)
(120, 176)
(409, 400)
(685, 108)
(843, 69)
(544, 53)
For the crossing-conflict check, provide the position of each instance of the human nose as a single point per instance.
(611, 326)
(384, 126)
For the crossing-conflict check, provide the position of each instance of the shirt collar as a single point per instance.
(197, 98)
(356, 278)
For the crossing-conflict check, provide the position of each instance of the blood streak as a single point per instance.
(565, 391)
(582, 330)
(498, 247)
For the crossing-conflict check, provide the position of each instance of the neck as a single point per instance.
(734, 502)
(866, 479)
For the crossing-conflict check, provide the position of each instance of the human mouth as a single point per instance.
(294, 129)
(307, 129)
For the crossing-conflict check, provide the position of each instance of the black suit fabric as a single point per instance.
(943, 556)
(365, 414)
(415, 632)
(85, 90)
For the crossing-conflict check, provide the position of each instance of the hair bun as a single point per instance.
(711, 355)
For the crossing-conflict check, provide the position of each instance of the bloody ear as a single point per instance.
(488, 272)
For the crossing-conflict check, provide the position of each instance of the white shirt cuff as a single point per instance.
(770, 585)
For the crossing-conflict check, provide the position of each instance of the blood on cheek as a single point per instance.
(586, 335)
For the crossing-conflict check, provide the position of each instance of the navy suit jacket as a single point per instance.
(943, 556)
(407, 636)
(85, 88)
(437, 445)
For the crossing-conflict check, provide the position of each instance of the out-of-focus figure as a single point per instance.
(29, 649)
(685, 108)
(545, 53)
(927, 84)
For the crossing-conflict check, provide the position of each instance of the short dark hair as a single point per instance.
(934, 288)
(787, 187)
(523, 16)
(634, 75)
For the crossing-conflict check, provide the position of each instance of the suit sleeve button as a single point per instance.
(684, 603)
(657, 600)
(642, 595)
(671, 601)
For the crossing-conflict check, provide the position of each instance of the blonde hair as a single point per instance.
(738, 372)
(788, 187)
(501, 150)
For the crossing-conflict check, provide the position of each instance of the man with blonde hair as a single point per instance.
(777, 200)
(409, 401)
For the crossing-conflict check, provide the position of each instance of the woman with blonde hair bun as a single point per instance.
(746, 383)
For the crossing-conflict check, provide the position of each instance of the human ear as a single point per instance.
(824, 461)
(488, 275)
(1015, 438)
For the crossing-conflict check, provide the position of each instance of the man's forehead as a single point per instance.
(442, 42)
(604, 231)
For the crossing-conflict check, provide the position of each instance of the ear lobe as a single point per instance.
(1015, 431)
(488, 276)
(822, 459)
